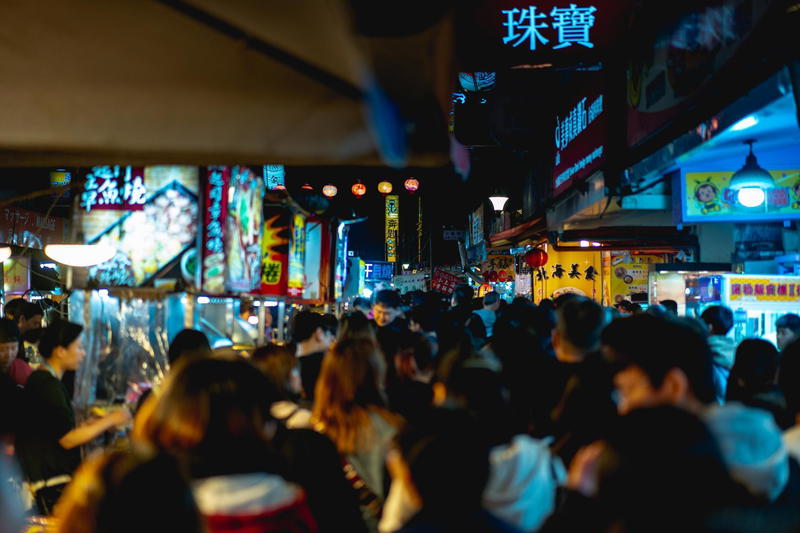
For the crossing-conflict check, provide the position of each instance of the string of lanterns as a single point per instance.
(359, 190)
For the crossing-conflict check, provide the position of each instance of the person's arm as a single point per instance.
(89, 431)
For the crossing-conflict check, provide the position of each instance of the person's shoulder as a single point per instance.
(41, 378)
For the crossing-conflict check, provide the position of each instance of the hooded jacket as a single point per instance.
(723, 350)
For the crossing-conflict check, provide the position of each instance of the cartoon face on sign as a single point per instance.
(707, 194)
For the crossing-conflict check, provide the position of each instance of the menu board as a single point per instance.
(148, 240)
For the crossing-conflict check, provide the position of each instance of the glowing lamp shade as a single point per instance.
(745, 123)
(329, 191)
(498, 202)
(307, 187)
(359, 190)
(751, 196)
(5, 254)
(385, 187)
(80, 255)
(751, 174)
(411, 184)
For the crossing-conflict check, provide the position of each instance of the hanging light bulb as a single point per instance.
(80, 255)
(5, 254)
(751, 181)
(330, 191)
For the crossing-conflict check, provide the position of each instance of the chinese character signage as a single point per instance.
(297, 252)
(243, 230)
(559, 28)
(26, 228)
(580, 133)
(392, 226)
(709, 197)
(150, 240)
(475, 230)
(114, 188)
(445, 282)
(763, 289)
(568, 272)
(216, 204)
(498, 269)
(275, 251)
(378, 271)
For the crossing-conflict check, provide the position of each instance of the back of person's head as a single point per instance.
(448, 464)
(661, 469)
(120, 492)
(463, 295)
(426, 316)
(388, 298)
(624, 306)
(276, 362)
(547, 305)
(58, 334)
(719, 319)
(521, 300)
(188, 342)
(789, 376)
(349, 385)
(304, 324)
(755, 369)
(414, 355)
(360, 303)
(9, 332)
(564, 298)
(12, 308)
(330, 323)
(789, 321)
(671, 306)
(579, 321)
(212, 409)
(656, 346)
(355, 325)
(491, 298)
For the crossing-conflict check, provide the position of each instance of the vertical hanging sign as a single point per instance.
(392, 226)
(216, 207)
(275, 251)
(297, 256)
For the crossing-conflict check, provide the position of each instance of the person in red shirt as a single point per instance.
(17, 369)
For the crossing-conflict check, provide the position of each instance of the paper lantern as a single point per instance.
(330, 191)
(536, 258)
(307, 187)
(359, 190)
(385, 187)
(411, 184)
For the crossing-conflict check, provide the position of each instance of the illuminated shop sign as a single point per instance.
(561, 27)
(764, 289)
(713, 197)
(114, 188)
(392, 226)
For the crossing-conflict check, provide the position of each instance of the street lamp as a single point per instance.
(751, 181)
(498, 201)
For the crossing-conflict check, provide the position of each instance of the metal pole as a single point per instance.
(281, 320)
(262, 321)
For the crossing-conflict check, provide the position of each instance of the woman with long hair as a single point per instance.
(280, 365)
(349, 409)
(214, 414)
(355, 325)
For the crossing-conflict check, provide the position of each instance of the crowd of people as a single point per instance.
(423, 415)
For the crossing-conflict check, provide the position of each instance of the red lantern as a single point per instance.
(359, 190)
(536, 258)
(411, 185)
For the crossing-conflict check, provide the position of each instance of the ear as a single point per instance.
(555, 338)
(675, 388)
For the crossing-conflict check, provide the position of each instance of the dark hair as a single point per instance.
(304, 324)
(579, 321)
(789, 376)
(9, 332)
(521, 300)
(463, 294)
(122, 492)
(426, 316)
(491, 298)
(657, 345)
(330, 323)
(355, 325)
(449, 464)
(276, 362)
(29, 310)
(388, 298)
(417, 347)
(12, 308)
(59, 333)
(564, 298)
(361, 302)
(789, 321)
(670, 305)
(720, 318)
(185, 342)
(754, 370)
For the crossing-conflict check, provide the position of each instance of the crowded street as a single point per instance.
(352, 266)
